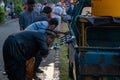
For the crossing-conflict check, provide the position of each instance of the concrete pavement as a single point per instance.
(7, 28)
(50, 66)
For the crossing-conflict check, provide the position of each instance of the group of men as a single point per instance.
(38, 32)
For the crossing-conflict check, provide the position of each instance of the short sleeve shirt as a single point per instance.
(26, 18)
(40, 26)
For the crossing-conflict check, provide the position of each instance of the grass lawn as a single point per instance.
(63, 64)
(63, 58)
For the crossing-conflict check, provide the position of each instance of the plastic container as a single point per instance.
(106, 8)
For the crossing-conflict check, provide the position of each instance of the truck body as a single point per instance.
(94, 54)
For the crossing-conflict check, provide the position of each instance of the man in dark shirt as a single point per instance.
(28, 16)
(20, 47)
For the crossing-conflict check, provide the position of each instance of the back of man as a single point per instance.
(20, 47)
(27, 38)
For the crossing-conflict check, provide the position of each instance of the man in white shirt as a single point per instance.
(57, 11)
(2, 4)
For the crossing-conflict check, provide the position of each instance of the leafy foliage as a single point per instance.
(18, 7)
(2, 14)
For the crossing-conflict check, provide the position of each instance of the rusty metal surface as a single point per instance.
(97, 70)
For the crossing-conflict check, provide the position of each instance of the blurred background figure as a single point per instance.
(57, 13)
(2, 4)
(11, 7)
(38, 7)
(70, 10)
(45, 15)
(44, 5)
(29, 16)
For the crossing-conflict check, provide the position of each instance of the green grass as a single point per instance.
(63, 63)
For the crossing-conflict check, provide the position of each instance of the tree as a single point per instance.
(2, 14)
(18, 7)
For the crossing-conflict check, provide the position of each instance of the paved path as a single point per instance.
(50, 65)
(5, 29)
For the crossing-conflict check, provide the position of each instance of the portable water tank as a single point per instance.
(106, 8)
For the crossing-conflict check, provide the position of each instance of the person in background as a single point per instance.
(11, 6)
(29, 16)
(57, 13)
(45, 14)
(22, 46)
(2, 4)
(70, 10)
(38, 7)
(44, 5)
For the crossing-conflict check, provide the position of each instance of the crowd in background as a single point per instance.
(34, 18)
(66, 7)
(59, 10)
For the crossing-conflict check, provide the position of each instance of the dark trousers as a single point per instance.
(38, 59)
(12, 15)
(14, 61)
(17, 73)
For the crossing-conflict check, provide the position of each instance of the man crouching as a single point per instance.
(22, 46)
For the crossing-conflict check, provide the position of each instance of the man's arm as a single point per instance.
(60, 32)
(42, 44)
